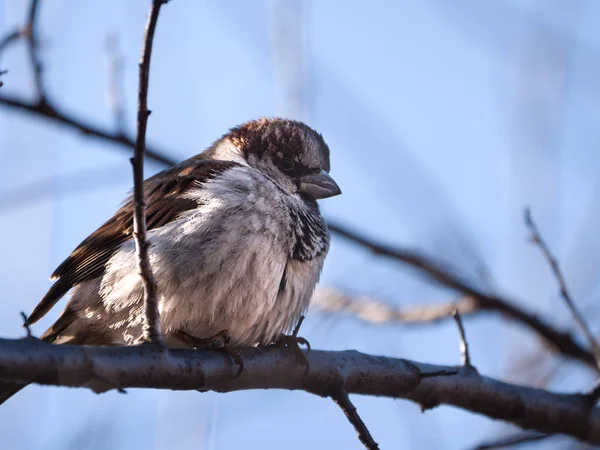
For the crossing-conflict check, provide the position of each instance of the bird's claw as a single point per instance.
(294, 342)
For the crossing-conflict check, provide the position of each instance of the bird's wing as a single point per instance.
(164, 202)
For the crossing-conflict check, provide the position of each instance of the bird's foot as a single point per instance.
(293, 342)
(219, 341)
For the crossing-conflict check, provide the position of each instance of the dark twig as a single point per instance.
(342, 399)
(513, 441)
(557, 340)
(11, 37)
(297, 328)
(464, 346)
(152, 330)
(537, 239)
(34, 361)
(55, 114)
(29, 32)
(26, 325)
(33, 50)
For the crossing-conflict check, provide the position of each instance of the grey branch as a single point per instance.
(33, 361)
(56, 115)
(152, 330)
(342, 399)
(33, 50)
(29, 32)
(537, 239)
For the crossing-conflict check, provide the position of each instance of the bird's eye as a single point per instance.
(287, 164)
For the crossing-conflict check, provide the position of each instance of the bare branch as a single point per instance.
(376, 312)
(33, 50)
(558, 341)
(342, 399)
(29, 31)
(26, 325)
(152, 330)
(464, 346)
(33, 361)
(537, 239)
(10, 38)
(53, 113)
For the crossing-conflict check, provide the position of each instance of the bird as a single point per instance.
(237, 246)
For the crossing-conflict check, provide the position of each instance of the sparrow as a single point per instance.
(237, 244)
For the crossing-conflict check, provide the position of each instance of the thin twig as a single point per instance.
(54, 113)
(26, 325)
(537, 239)
(29, 32)
(558, 340)
(297, 328)
(342, 399)
(11, 37)
(465, 356)
(33, 50)
(152, 330)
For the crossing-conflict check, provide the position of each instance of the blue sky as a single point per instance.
(444, 118)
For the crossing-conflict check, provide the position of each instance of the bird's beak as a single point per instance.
(319, 185)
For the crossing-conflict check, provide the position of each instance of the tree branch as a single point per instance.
(537, 239)
(33, 50)
(33, 361)
(559, 341)
(55, 114)
(9, 39)
(152, 329)
(342, 399)
(376, 312)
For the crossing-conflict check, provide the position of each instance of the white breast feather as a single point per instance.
(220, 266)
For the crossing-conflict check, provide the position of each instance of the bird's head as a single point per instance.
(289, 152)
